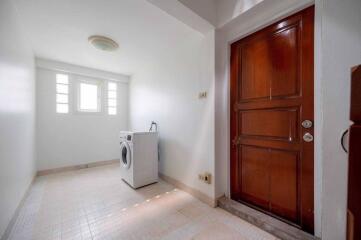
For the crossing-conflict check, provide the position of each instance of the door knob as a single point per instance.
(307, 123)
(308, 137)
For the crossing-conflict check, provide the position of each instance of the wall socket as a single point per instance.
(202, 95)
(205, 177)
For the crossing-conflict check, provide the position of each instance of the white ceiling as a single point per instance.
(204, 8)
(58, 30)
(219, 12)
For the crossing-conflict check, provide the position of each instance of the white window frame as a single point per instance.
(99, 99)
(64, 94)
(109, 98)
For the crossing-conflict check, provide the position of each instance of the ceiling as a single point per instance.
(219, 12)
(59, 30)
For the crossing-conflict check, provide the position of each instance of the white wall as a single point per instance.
(166, 90)
(340, 50)
(17, 111)
(75, 138)
(338, 38)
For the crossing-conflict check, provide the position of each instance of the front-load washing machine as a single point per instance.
(139, 158)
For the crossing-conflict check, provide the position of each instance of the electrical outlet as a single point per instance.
(202, 95)
(206, 177)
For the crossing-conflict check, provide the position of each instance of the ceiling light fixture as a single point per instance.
(103, 43)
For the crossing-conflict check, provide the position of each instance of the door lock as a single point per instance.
(308, 137)
(307, 124)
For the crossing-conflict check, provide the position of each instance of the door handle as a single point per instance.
(308, 137)
(343, 140)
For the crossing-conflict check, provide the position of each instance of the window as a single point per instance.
(62, 93)
(89, 97)
(112, 98)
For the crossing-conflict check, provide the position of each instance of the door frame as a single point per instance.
(245, 30)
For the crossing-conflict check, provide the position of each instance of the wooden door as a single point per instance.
(271, 96)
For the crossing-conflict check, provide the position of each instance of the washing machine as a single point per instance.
(139, 158)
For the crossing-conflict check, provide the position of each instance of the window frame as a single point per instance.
(64, 94)
(108, 98)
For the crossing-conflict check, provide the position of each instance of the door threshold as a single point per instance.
(267, 223)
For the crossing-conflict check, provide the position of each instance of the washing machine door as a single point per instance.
(125, 155)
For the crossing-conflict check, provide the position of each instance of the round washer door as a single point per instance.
(125, 155)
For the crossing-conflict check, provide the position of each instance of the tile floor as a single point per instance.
(95, 203)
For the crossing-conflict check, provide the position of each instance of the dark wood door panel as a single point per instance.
(354, 159)
(271, 94)
(269, 143)
(284, 182)
(255, 175)
(354, 179)
(270, 65)
(278, 124)
(355, 108)
(255, 83)
(284, 51)
(270, 180)
(275, 103)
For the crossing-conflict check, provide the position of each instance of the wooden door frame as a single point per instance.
(316, 90)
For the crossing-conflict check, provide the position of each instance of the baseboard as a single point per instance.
(194, 192)
(11, 224)
(76, 167)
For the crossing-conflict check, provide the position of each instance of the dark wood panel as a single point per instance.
(254, 141)
(354, 180)
(354, 166)
(355, 113)
(279, 124)
(285, 62)
(235, 168)
(284, 170)
(270, 65)
(255, 83)
(261, 104)
(255, 175)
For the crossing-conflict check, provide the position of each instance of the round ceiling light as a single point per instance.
(103, 43)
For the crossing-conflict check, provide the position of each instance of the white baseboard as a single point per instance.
(194, 192)
(76, 167)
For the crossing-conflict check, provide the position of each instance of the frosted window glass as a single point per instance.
(112, 86)
(112, 94)
(112, 102)
(62, 78)
(62, 108)
(112, 111)
(61, 98)
(112, 98)
(61, 88)
(88, 97)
